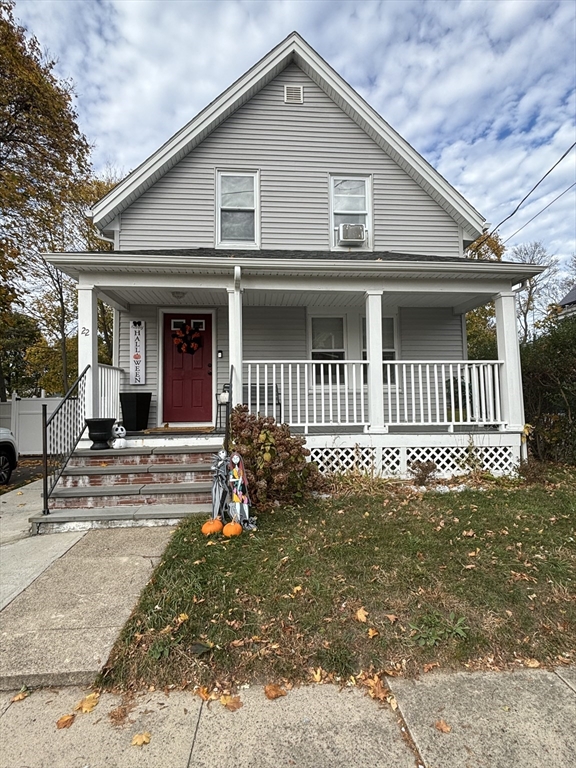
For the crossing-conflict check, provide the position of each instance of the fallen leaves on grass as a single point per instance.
(139, 739)
(392, 618)
(442, 726)
(273, 691)
(317, 674)
(88, 703)
(65, 721)
(532, 663)
(232, 703)
(372, 632)
(361, 615)
(430, 667)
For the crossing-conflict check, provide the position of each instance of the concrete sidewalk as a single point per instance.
(65, 597)
(496, 720)
(67, 601)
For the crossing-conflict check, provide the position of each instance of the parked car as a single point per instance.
(8, 455)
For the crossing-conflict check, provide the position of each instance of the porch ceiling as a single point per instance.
(187, 297)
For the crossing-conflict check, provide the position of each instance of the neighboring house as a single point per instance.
(321, 260)
(568, 304)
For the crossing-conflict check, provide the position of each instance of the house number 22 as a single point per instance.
(85, 331)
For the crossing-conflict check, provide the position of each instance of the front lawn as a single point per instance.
(376, 578)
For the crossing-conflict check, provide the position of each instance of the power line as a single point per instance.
(539, 212)
(533, 188)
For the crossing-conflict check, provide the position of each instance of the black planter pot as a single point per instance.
(135, 410)
(100, 431)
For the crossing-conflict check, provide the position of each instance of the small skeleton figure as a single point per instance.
(240, 501)
(220, 489)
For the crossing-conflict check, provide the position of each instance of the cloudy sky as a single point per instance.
(484, 89)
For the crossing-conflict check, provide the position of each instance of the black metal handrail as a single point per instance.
(228, 411)
(61, 434)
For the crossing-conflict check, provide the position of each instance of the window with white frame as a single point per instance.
(327, 343)
(388, 347)
(350, 204)
(237, 208)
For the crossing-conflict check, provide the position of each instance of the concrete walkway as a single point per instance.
(66, 609)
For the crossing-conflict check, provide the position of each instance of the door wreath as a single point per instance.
(187, 340)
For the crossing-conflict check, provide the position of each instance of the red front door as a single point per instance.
(187, 377)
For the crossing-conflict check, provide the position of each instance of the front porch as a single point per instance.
(366, 357)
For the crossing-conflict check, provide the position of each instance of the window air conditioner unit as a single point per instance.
(351, 234)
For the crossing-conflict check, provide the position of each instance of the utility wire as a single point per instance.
(533, 188)
(539, 212)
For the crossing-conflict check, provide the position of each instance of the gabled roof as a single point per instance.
(569, 299)
(294, 49)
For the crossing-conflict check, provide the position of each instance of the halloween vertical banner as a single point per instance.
(137, 352)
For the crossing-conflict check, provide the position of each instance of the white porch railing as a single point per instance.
(444, 393)
(109, 388)
(308, 393)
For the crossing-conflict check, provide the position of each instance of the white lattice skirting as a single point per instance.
(392, 455)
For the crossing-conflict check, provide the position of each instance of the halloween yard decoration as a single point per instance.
(240, 502)
(118, 437)
(229, 497)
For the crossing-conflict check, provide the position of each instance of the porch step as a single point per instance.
(84, 518)
(192, 493)
(176, 454)
(128, 474)
(137, 476)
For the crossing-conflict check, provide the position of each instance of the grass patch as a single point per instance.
(482, 578)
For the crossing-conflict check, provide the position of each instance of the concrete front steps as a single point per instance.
(139, 485)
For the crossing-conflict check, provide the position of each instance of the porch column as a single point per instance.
(88, 346)
(235, 336)
(509, 352)
(375, 367)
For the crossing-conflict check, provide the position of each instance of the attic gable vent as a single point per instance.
(294, 94)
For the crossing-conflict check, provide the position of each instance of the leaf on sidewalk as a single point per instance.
(274, 691)
(65, 721)
(232, 703)
(22, 694)
(442, 726)
(88, 703)
(139, 739)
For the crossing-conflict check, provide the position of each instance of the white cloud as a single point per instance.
(484, 90)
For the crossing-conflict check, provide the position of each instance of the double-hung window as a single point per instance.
(350, 204)
(238, 208)
(328, 345)
(388, 347)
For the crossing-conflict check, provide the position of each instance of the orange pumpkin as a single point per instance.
(214, 525)
(232, 529)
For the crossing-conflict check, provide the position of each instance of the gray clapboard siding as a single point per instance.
(148, 314)
(295, 147)
(274, 333)
(430, 333)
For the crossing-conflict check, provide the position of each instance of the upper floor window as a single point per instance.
(238, 208)
(350, 204)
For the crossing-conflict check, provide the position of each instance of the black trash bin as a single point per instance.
(135, 410)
